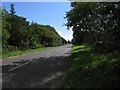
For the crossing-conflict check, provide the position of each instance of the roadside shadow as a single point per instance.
(38, 73)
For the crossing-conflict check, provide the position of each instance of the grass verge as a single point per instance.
(93, 70)
(19, 52)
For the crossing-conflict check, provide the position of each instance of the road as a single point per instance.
(45, 69)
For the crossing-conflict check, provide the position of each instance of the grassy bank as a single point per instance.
(93, 70)
(7, 54)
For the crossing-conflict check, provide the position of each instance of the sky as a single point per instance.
(45, 13)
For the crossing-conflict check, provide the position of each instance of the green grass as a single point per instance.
(92, 70)
(7, 54)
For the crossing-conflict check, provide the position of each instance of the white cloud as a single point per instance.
(59, 33)
(67, 36)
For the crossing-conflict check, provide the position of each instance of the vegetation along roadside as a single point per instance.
(20, 36)
(13, 53)
(92, 70)
(97, 26)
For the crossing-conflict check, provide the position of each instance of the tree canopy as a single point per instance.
(96, 24)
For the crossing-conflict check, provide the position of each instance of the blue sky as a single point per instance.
(46, 13)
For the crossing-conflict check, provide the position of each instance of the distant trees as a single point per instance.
(46, 35)
(17, 33)
(95, 24)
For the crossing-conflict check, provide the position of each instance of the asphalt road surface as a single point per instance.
(45, 69)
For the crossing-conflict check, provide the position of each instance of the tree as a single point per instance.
(12, 11)
(5, 28)
(95, 24)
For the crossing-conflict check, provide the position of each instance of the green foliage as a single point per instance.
(5, 36)
(5, 28)
(17, 33)
(16, 52)
(45, 35)
(93, 70)
(95, 24)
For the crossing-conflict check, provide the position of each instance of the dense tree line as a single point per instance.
(18, 33)
(96, 25)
